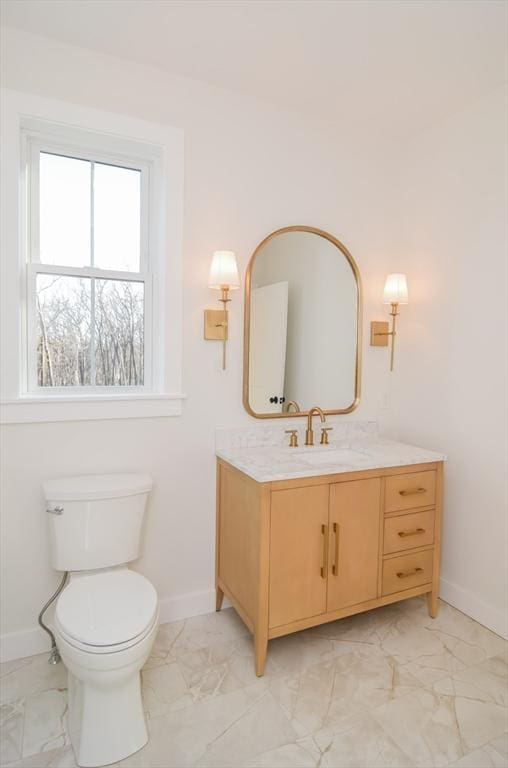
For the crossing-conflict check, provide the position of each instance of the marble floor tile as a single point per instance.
(54, 758)
(23, 677)
(220, 668)
(437, 728)
(292, 653)
(479, 696)
(194, 634)
(260, 728)
(225, 731)
(486, 681)
(366, 744)
(45, 726)
(489, 756)
(337, 691)
(501, 745)
(368, 627)
(164, 690)
(162, 648)
(301, 754)
(469, 641)
(12, 718)
(391, 687)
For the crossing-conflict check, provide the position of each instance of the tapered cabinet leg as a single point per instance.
(260, 648)
(219, 597)
(432, 603)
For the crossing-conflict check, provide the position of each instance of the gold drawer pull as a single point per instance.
(405, 574)
(414, 532)
(324, 567)
(335, 566)
(412, 491)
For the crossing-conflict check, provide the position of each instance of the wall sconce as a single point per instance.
(224, 278)
(395, 293)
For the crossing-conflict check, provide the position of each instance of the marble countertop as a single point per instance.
(369, 451)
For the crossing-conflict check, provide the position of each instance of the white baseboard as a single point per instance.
(17, 645)
(468, 603)
(29, 642)
(185, 606)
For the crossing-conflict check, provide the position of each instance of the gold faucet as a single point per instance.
(295, 406)
(309, 434)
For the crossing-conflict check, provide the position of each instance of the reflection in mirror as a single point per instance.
(302, 325)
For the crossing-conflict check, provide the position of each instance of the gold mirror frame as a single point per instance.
(359, 313)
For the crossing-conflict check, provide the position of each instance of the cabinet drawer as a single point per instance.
(407, 571)
(416, 489)
(408, 531)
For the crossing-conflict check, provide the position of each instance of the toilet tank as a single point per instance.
(95, 520)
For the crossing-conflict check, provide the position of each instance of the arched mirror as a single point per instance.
(303, 311)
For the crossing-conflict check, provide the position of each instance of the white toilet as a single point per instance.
(107, 616)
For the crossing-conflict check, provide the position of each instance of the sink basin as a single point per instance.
(335, 456)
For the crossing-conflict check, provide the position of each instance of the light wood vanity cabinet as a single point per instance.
(295, 553)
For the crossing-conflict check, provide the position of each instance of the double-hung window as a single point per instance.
(89, 309)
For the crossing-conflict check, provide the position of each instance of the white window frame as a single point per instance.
(29, 123)
(37, 142)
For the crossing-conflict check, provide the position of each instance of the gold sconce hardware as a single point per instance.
(412, 491)
(215, 328)
(406, 574)
(293, 440)
(324, 435)
(309, 434)
(379, 333)
(415, 532)
(324, 567)
(293, 404)
(223, 277)
(335, 566)
(395, 293)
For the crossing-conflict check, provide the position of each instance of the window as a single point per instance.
(91, 239)
(89, 314)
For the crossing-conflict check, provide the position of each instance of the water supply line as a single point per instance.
(54, 656)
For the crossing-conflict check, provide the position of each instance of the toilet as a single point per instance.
(107, 616)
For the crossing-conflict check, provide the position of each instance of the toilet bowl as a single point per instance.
(105, 624)
(107, 616)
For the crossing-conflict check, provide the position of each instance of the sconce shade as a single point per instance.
(395, 291)
(224, 271)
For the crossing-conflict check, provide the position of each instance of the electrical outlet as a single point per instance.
(385, 402)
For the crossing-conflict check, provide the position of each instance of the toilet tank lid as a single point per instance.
(90, 487)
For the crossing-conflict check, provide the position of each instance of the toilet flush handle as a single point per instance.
(55, 511)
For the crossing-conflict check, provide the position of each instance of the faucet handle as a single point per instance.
(324, 435)
(293, 440)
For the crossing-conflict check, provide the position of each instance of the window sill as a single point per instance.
(32, 408)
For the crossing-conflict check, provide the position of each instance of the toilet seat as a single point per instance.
(107, 612)
(105, 649)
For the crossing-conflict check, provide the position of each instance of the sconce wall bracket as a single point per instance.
(379, 333)
(215, 327)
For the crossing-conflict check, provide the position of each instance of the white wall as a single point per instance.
(450, 391)
(250, 168)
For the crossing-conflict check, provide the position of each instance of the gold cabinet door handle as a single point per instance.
(324, 567)
(405, 574)
(414, 532)
(412, 491)
(335, 566)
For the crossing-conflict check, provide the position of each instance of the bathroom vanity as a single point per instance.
(310, 535)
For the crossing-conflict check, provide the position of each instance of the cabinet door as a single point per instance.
(355, 509)
(298, 541)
